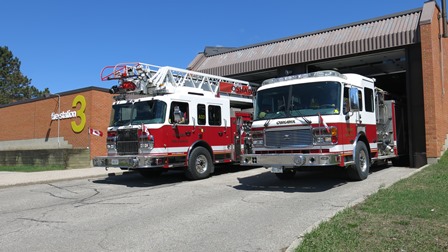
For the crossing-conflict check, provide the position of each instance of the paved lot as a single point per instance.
(250, 210)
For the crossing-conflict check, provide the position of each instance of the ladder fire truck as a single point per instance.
(170, 118)
(321, 119)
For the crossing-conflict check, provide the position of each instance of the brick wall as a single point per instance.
(101, 107)
(435, 90)
(32, 119)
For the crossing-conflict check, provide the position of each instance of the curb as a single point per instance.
(296, 243)
(32, 181)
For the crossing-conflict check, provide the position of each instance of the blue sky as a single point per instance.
(64, 45)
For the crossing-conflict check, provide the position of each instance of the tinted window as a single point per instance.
(369, 99)
(360, 99)
(201, 114)
(214, 115)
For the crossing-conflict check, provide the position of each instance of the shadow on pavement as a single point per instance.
(304, 181)
(134, 179)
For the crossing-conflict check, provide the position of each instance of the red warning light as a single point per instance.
(128, 86)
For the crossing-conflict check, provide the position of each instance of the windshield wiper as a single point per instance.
(303, 117)
(267, 123)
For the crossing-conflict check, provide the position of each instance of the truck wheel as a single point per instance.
(199, 164)
(360, 170)
(287, 174)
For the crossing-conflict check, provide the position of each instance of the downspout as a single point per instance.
(441, 37)
(445, 32)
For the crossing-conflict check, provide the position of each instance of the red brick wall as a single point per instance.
(32, 120)
(101, 107)
(435, 90)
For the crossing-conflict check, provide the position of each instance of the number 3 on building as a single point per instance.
(80, 113)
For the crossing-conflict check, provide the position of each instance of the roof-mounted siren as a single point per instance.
(132, 77)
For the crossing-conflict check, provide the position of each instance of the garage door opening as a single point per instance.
(390, 71)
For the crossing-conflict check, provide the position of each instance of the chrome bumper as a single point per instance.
(128, 162)
(290, 160)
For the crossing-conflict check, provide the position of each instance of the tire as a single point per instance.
(150, 173)
(199, 164)
(287, 174)
(360, 170)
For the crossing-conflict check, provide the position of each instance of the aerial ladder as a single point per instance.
(142, 78)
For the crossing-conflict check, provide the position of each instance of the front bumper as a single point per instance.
(129, 162)
(291, 160)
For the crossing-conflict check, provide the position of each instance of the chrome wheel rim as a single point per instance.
(201, 164)
(363, 160)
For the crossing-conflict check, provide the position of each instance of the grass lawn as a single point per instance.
(411, 215)
(24, 168)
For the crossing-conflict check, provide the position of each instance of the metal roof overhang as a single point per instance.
(387, 32)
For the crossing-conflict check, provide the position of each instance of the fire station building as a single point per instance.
(54, 130)
(405, 52)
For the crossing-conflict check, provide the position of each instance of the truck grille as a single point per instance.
(289, 138)
(127, 142)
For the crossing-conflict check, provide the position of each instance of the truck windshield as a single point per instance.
(147, 112)
(299, 100)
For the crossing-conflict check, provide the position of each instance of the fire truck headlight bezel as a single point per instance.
(147, 145)
(325, 136)
(257, 138)
(258, 142)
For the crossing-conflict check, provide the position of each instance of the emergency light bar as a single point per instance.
(325, 73)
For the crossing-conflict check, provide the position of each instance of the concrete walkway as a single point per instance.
(27, 178)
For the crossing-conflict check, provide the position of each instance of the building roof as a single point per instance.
(80, 90)
(386, 32)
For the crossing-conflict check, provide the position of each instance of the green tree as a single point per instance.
(14, 86)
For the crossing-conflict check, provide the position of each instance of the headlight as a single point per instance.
(258, 138)
(325, 136)
(258, 141)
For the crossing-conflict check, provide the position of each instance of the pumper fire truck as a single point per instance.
(321, 119)
(167, 118)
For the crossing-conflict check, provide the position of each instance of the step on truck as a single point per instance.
(321, 119)
(169, 118)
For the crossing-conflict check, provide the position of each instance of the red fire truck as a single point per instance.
(321, 119)
(169, 118)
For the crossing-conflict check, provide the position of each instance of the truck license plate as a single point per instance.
(114, 161)
(277, 170)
